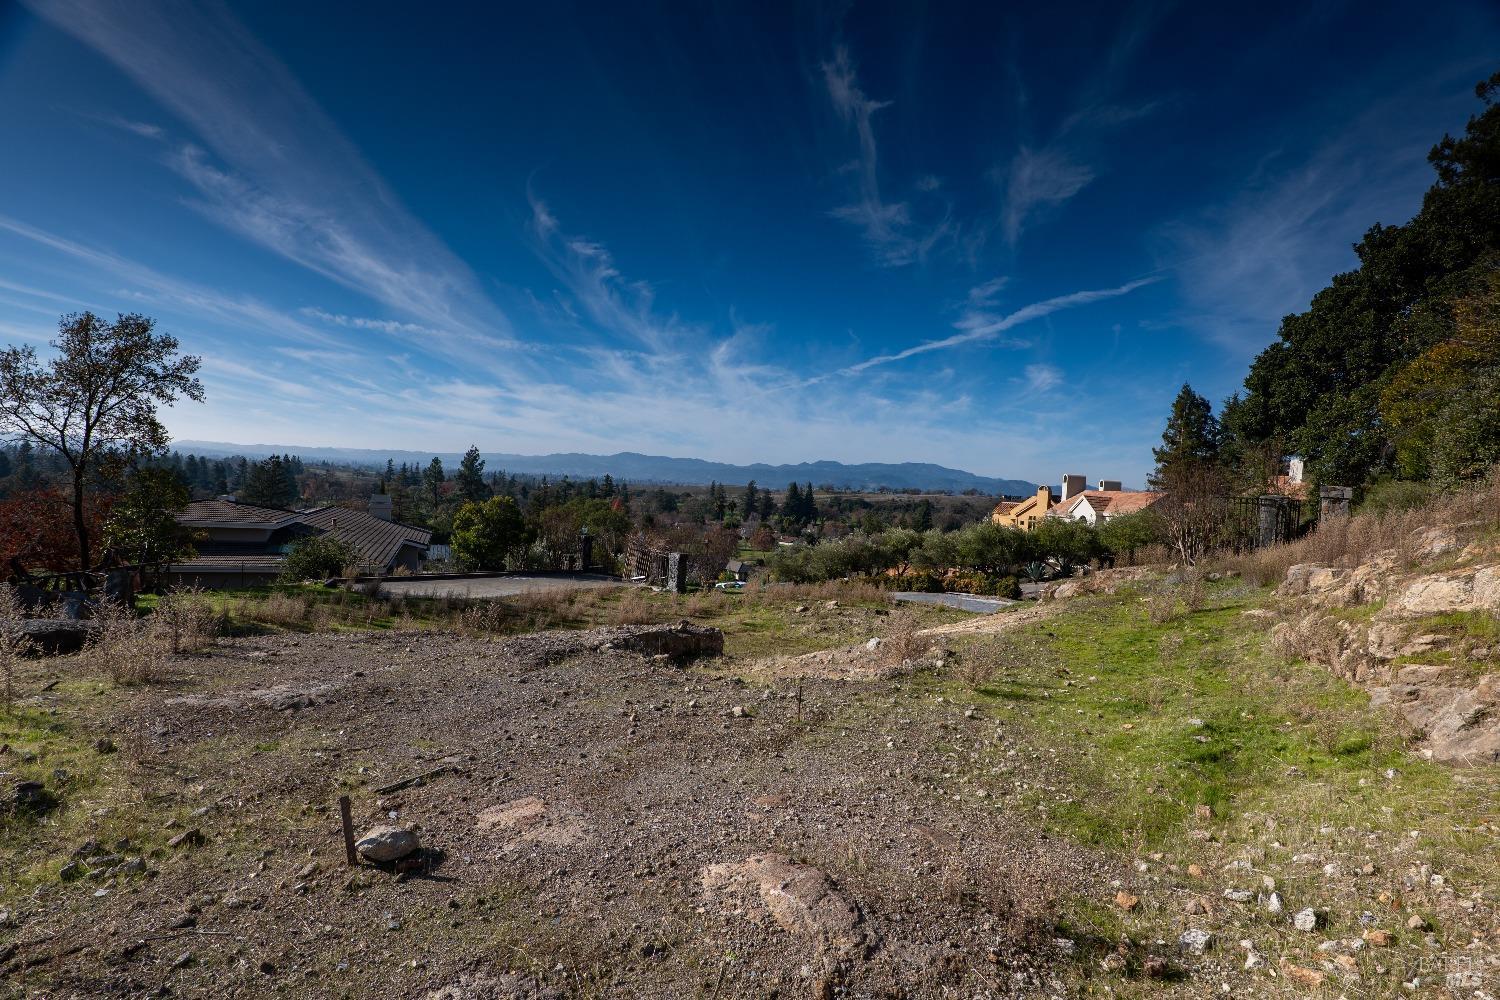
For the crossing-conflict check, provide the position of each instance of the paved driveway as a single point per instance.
(507, 585)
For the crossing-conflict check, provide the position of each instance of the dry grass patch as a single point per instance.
(903, 642)
(1351, 541)
(124, 646)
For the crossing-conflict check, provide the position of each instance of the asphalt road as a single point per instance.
(507, 585)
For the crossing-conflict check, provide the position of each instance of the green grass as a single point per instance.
(1480, 625)
(1124, 727)
(90, 795)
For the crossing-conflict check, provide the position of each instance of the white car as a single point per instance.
(730, 585)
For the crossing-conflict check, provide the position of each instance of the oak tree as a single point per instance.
(95, 397)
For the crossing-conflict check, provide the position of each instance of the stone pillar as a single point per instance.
(1334, 501)
(676, 573)
(1268, 526)
(119, 587)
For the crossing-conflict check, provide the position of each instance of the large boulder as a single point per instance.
(1434, 595)
(1486, 593)
(1337, 587)
(1433, 542)
(54, 636)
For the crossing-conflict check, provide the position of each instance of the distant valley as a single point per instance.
(637, 468)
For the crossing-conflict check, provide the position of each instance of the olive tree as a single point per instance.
(95, 397)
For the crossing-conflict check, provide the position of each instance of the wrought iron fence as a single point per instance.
(1256, 522)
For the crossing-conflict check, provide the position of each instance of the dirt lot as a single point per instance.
(1073, 802)
(619, 782)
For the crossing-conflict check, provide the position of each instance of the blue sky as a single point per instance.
(995, 239)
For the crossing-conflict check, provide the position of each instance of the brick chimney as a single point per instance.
(1110, 485)
(1072, 485)
(380, 506)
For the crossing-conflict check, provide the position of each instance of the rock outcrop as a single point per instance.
(1459, 720)
(1426, 652)
(681, 641)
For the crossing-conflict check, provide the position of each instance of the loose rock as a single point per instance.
(387, 843)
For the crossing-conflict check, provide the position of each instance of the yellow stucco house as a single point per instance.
(1027, 513)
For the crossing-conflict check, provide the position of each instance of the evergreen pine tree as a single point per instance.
(470, 477)
(432, 481)
(1191, 438)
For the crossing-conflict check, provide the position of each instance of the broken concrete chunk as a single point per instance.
(801, 899)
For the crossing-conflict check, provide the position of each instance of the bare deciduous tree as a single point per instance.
(1194, 511)
(96, 396)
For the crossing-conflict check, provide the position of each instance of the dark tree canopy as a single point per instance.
(1317, 391)
(142, 527)
(271, 483)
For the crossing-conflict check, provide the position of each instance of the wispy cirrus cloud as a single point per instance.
(148, 285)
(1043, 377)
(1041, 177)
(364, 322)
(978, 322)
(887, 227)
(1247, 262)
(270, 165)
(1037, 179)
(598, 292)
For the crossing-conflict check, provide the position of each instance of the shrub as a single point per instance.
(316, 558)
(185, 620)
(1395, 496)
(485, 534)
(1162, 605)
(903, 642)
(122, 646)
(1125, 536)
(14, 644)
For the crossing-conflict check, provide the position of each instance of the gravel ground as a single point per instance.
(600, 823)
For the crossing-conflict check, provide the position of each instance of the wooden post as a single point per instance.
(348, 822)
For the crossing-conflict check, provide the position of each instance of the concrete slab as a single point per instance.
(498, 585)
(960, 602)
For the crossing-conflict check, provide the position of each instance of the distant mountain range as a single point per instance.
(637, 468)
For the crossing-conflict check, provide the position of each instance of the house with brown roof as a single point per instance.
(1076, 502)
(244, 545)
(1095, 506)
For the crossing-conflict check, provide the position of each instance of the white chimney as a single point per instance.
(1072, 485)
(380, 506)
